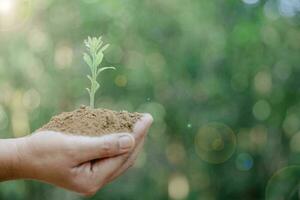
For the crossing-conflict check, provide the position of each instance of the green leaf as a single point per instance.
(90, 78)
(104, 68)
(88, 60)
(99, 58)
(105, 47)
(89, 91)
(97, 86)
(100, 44)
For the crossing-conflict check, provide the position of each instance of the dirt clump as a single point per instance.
(92, 122)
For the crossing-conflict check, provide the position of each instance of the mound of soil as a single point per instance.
(92, 122)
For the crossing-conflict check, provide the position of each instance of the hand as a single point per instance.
(78, 163)
(140, 131)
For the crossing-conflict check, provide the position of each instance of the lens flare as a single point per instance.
(14, 13)
(284, 184)
(6, 6)
(215, 143)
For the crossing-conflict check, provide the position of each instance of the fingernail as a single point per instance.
(126, 142)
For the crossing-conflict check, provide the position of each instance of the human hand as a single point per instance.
(78, 163)
(140, 131)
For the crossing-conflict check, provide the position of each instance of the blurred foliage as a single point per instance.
(190, 63)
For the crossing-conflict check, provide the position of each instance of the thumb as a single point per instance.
(91, 148)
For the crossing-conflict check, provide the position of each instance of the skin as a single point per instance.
(78, 163)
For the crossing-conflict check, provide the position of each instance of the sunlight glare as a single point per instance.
(6, 6)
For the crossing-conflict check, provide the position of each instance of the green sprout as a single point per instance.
(94, 58)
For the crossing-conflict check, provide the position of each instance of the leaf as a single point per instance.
(89, 40)
(97, 86)
(86, 44)
(105, 47)
(89, 91)
(100, 44)
(88, 60)
(99, 58)
(90, 78)
(104, 68)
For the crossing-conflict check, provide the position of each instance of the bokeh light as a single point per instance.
(215, 143)
(263, 82)
(31, 99)
(258, 138)
(176, 153)
(178, 187)
(295, 143)
(6, 6)
(20, 120)
(14, 13)
(121, 80)
(261, 110)
(38, 40)
(291, 124)
(63, 56)
(244, 162)
(3, 118)
(284, 184)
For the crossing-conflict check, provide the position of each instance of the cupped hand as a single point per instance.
(140, 131)
(79, 163)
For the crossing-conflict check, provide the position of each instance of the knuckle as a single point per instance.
(107, 147)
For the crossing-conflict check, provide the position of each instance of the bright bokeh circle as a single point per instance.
(215, 143)
(14, 13)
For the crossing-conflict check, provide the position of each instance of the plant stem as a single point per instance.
(92, 103)
(94, 58)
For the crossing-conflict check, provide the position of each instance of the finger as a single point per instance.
(91, 148)
(140, 130)
(105, 168)
(129, 162)
(142, 126)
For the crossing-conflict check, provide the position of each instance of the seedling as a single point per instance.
(94, 58)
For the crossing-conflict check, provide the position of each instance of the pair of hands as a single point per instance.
(78, 163)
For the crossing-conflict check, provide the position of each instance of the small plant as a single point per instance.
(94, 58)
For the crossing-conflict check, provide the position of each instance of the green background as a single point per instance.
(220, 77)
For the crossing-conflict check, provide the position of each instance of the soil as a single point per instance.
(92, 122)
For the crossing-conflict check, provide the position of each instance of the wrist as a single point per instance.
(10, 158)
